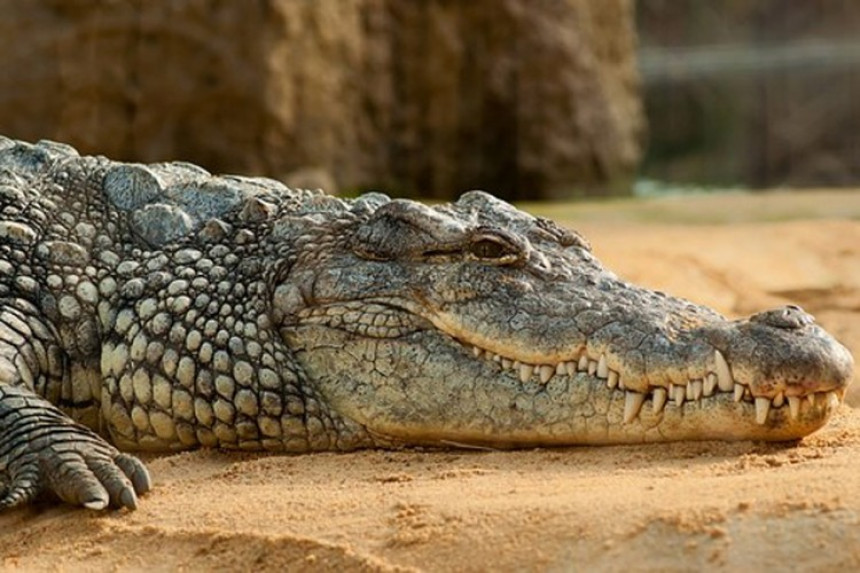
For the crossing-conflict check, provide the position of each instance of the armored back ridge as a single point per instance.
(158, 307)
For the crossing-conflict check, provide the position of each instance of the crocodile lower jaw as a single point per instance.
(719, 381)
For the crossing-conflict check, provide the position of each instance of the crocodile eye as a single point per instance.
(495, 246)
(488, 249)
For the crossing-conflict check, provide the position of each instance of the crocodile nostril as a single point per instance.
(789, 317)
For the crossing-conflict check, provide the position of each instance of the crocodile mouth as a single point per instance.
(427, 365)
(717, 384)
(715, 404)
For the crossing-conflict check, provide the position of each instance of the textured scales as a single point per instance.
(158, 307)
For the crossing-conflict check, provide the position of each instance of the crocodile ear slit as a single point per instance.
(401, 229)
(378, 238)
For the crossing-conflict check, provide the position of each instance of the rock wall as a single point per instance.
(525, 98)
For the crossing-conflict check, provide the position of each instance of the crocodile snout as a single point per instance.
(783, 350)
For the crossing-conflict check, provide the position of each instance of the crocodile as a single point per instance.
(158, 307)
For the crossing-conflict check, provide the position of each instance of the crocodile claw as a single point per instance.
(92, 474)
(45, 452)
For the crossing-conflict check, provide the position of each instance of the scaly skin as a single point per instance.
(160, 308)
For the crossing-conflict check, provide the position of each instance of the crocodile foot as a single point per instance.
(49, 453)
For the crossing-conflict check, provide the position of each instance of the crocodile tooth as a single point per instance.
(526, 372)
(762, 407)
(582, 365)
(794, 407)
(811, 399)
(632, 405)
(560, 369)
(680, 394)
(570, 366)
(832, 399)
(477, 352)
(697, 389)
(710, 384)
(724, 374)
(659, 400)
(778, 400)
(612, 380)
(546, 372)
(688, 390)
(739, 392)
(497, 358)
(507, 363)
(592, 367)
(602, 367)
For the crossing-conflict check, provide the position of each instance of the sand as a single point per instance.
(671, 507)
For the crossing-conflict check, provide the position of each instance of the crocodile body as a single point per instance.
(158, 307)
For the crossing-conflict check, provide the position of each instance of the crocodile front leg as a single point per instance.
(41, 448)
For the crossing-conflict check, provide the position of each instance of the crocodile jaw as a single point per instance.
(427, 388)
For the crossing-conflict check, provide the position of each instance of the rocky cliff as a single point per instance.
(526, 98)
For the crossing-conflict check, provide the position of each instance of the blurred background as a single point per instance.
(758, 94)
(530, 99)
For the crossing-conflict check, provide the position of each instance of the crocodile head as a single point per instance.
(476, 323)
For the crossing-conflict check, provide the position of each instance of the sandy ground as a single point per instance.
(674, 507)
